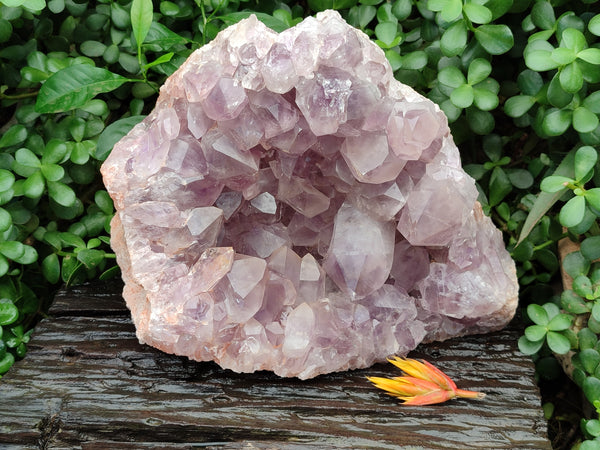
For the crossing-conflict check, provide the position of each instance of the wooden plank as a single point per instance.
(88, 383)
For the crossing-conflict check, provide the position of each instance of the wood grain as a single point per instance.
(88, 383)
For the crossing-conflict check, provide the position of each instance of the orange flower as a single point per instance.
(424, 384)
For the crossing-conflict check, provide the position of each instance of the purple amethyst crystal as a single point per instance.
(290, 206)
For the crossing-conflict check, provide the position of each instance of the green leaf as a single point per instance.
(575, 264)
(582, 286)
(90, 258)
(591, 389)
(592, 427)
(542, 15)
(530, 82)
(573, 303)
(495, 39)
(477, 171)
(4, 265)
(451, 111)
(537, 314)
(551, 309)
(556, 95)
(520, 178)
(160, 60)
(402, 9)
(54, 152)
(8, 312)
(70, 268)
(571, 78)
(52, 172)
(8, 360)
(416, 60)
(321, 5)
(51, 268)
(592, 196)
(161, 39)
(141, 19)
(454, 39)
(34, 185)
(485, 100)
(500, 186)
(585, 160)
(590, 248)
(452, 10)
(33, 75)
(5, 220)
(556, 122)
(104, 202)
(61, 193)
(535, 332)
(72, 240)
(74, 86)
(451, 76)
(462, 97)
(493, 149)
(229, 19)
(436, 5)
(571, 214)
(555, 183)
(590, 358)
(563, 55)
(558, 343)
(386, 32)
(594, 25)
(394, 59)
(109, 273)
(523, 252)
(12, 249)
(93, 49)
(80, 153)
(29, 256)
(548, 259)
(129, 62)
(15, 135)
(113, 133)
(477, 13)
(591, 55)
(27, 158)
(584, 120)
(481, 122)
(519, 105)
(560, 322)
(596, 311)
(503, 211)
(479, 70)
(366, 13)
(573, 39)
(529, 347)
(7, 179)
(449, 9)
(587, 339)
(540, 60)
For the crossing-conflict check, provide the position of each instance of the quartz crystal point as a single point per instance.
(289, 206)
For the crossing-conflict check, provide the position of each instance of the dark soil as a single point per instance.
(569, 408)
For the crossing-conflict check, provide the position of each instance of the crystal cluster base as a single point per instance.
(289, 206)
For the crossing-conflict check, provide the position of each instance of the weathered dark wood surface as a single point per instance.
(88, 383)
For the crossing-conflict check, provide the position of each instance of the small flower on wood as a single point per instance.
(422, 383)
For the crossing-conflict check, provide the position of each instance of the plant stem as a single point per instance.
(18, 96)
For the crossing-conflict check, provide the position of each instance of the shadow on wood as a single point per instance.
(88, 383)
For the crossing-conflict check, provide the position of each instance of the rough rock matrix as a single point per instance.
(290, 206)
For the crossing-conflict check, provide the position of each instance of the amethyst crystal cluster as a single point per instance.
(290, 206)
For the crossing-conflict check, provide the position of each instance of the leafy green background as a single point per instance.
(517, 79)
